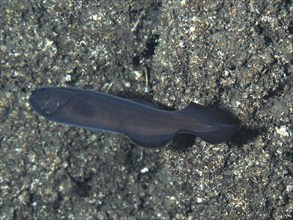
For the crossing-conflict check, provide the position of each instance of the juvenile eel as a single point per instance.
(143, 122)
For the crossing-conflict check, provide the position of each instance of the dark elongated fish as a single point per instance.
(144, 123)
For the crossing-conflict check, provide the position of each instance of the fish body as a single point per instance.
(144, 123)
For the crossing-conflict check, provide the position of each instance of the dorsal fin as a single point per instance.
(205, 114)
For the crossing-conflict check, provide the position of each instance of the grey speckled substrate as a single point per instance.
(233, 55)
